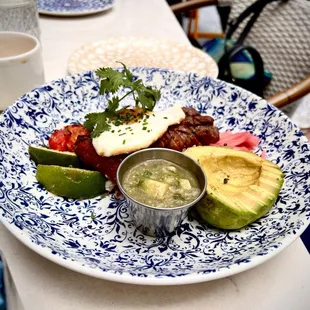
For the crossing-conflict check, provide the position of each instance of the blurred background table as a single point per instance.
(281, 283)
(61, 36)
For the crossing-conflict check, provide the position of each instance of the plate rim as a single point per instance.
(125, 277)
(157, 281)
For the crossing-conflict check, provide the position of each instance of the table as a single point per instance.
(281, 283)
(60, 36)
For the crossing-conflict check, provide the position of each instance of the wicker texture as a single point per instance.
(282, 36)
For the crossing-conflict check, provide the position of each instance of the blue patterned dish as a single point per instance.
(97, 236)
(73, 7)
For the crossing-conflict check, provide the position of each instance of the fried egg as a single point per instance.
(128, 138)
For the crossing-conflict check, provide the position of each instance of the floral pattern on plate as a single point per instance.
(97, 236)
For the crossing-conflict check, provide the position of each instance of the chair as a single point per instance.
(281, 35)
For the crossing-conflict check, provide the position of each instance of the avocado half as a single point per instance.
(241, 186)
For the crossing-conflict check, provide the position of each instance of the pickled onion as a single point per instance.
(244, 141)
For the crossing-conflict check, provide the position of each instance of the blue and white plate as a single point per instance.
(97, 236)
(73, 7)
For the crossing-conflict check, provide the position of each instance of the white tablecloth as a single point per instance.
(281, 283)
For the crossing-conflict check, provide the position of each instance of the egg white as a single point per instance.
(128, 138)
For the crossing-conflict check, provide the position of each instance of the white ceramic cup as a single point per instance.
(21, 66)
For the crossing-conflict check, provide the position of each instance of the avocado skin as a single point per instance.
(220, 215)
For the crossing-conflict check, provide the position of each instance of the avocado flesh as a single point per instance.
(154, 188)
(242, 186)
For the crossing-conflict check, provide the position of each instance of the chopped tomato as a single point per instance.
(64, 139)
(58, 140)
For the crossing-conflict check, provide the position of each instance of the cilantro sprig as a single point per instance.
(111, 81)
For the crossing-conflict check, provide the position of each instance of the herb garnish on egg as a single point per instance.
(111, 81)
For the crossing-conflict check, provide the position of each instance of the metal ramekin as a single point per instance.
(153, 221)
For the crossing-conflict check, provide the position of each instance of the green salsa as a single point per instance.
(160, 183)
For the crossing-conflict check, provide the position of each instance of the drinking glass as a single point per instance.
(20, 16)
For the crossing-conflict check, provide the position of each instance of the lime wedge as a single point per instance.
(45, 156)
(71, 182)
